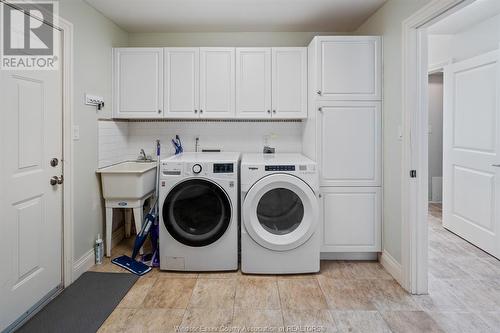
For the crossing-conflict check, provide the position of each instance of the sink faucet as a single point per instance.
(143, 157)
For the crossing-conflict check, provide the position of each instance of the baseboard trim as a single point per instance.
(83, 264)
(348, 255)
(391, 266)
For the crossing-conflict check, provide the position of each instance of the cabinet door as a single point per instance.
(289, 82)
(253, 82)
(182, 70)
(349, 143)
(351, 219)
(217, 66)
(138, 82)
(349, 68)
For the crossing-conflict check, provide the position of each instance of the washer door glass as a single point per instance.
(280, 211)
(197, 212)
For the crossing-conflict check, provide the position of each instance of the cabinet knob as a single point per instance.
(195, 111)
(318, 92)
(268, 111)
(159, 111)
(274, 111)
(320, 195)
(201, 111)
(320, 109)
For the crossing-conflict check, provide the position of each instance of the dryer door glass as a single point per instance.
(197, 212)
(280, 211)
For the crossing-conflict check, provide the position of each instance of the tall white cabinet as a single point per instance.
(343, 134)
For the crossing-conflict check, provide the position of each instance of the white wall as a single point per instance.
(387, 21)
(475, 40)
(235, 39)
(438, 50)
(94, 36)
(435, 128)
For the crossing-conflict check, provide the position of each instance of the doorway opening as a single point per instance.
(451, 221)
(463, 146)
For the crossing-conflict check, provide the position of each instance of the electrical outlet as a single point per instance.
(93, 99)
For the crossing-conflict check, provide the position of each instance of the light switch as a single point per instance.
(76, 133)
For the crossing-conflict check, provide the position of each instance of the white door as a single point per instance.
(289, 82)
(217, 75)
(138, 82)
(31, 208)
(280, 212)
(182, 70)
(349, 67)
(471, 139)
(349, 143)
(352, 219)
(253, 82)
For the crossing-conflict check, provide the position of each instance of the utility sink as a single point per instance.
(128, 180)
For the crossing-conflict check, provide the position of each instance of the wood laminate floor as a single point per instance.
(346, 296)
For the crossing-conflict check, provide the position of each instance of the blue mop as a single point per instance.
(129, 263)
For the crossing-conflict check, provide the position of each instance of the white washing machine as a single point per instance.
(199, 212)
(279, 214)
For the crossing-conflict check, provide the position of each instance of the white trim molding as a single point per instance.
(391, 265)
(438, 67)
(67, 31)
(415, 142)
(83, 264)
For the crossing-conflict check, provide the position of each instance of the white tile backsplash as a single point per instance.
(241, 136)
(112, 142)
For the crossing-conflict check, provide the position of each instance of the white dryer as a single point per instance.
(199, 212)
(279, 214)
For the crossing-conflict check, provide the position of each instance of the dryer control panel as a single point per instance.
(280, 167)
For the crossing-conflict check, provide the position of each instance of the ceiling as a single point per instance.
(476, 12)
(237, 15)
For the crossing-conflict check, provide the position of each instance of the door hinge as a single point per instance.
(413, 173)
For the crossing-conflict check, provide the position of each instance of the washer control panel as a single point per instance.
(197, 168)
(223, 167)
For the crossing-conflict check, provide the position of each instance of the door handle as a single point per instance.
(56, 180)
(496, 165)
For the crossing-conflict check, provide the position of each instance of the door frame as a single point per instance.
(414, 237)
(66, 29)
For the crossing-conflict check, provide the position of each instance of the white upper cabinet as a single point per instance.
(138, 83)
(217, 81)
(289, 82)
(211, 82)
(349, 143)
(253, 82)
(348, 67)
(182, 82)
